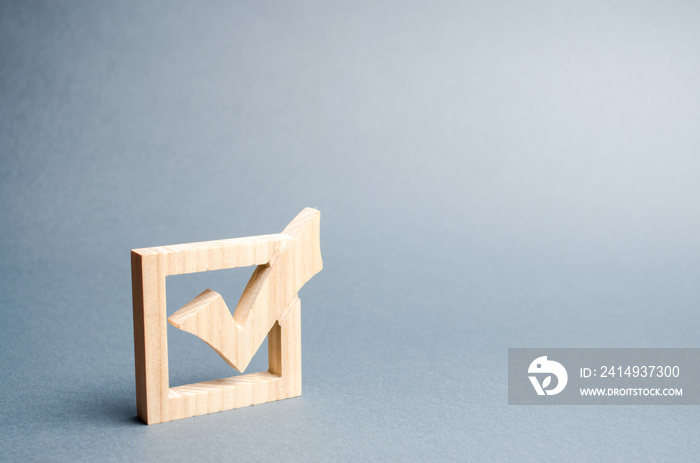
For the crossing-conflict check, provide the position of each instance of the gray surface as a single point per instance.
(491, 175)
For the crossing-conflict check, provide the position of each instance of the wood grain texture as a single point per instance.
(269, 306)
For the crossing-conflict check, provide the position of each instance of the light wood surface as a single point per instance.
(269, 306)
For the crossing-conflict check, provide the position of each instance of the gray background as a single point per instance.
(490, 175)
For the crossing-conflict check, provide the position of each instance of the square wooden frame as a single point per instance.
(156, 401)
